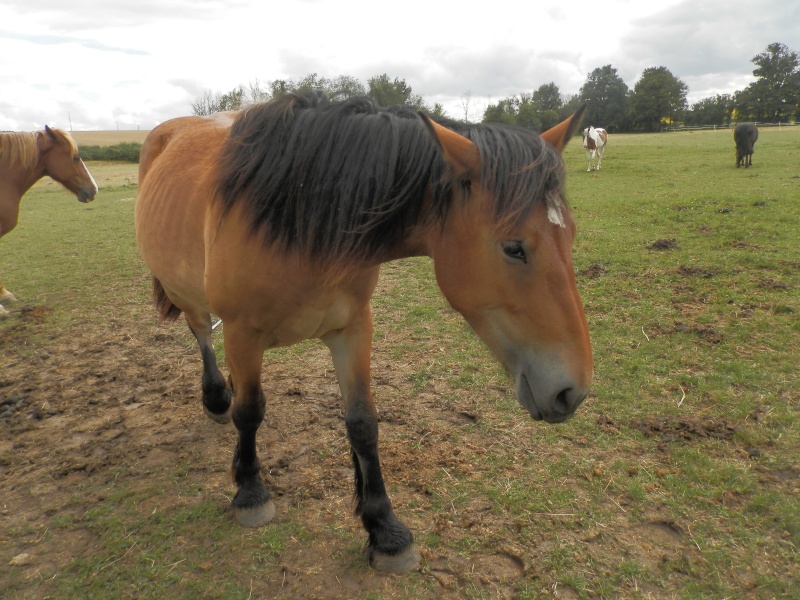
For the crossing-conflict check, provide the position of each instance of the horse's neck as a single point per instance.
(17, 176)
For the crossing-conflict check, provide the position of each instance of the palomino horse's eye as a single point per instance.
(515, 251)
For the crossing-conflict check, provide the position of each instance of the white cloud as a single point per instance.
(133, 64)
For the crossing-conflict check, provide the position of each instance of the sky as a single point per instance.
(89, 65)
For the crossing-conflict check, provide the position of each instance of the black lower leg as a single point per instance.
(216, 394)
(251, 489)
(387, 535)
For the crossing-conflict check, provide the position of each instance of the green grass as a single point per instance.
(693, 418)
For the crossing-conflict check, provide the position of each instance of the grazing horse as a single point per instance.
(745, 136)
(277, 219)
(594, 141)
(27, 157)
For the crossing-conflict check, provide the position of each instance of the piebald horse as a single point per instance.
(27, 157)
(277, 219)
(594, 141)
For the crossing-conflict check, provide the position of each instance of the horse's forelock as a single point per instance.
(520, 170)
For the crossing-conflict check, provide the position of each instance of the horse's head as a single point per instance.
(58, 155)
(513, 278)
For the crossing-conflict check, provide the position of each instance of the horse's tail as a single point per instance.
(166, 309)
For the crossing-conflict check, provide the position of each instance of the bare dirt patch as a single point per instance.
(103, 407)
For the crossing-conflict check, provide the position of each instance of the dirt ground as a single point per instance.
(80, 407)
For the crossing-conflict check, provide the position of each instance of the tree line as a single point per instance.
(656, 100)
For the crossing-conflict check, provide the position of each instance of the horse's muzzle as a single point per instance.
(86, 194)
(550, 403)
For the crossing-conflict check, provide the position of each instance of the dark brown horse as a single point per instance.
(744, 137)
(27, 157)
(278, 218)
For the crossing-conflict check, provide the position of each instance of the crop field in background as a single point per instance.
(108, 138)
(678, 478)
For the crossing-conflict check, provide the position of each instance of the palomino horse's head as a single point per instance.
(513, 279)
(58, 155)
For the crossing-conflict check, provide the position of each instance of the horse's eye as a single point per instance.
(515, 251)
(76, 158)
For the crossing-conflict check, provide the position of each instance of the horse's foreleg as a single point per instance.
(216, 394)
(391, 545)
(599, 157)
(588, 160)
(251, 504)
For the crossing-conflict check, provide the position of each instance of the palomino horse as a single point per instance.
(277, 219)
(27, 157)
(594, 141)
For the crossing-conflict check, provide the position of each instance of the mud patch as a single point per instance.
(593, 271)
(670, 244)
(695, 272)
(686, 429)
(706, 334)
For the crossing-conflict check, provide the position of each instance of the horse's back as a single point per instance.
(745, 135)
(176, 182)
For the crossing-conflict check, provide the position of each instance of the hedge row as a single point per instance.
(126, 151)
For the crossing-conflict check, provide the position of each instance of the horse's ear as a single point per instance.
(50, 134)
(560, 135)
(461, 153)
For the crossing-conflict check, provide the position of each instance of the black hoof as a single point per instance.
(217, 403)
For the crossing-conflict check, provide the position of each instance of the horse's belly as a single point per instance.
(331, 312)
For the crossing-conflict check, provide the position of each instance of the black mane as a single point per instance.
(342, 180)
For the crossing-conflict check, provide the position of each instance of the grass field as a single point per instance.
(678, 478)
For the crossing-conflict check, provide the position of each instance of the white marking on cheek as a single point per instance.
(554, 215)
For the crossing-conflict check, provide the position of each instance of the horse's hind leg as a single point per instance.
(391, 545)
(216, 393)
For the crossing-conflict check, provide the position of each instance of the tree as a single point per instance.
(658, 98)
(216, 102)
(388, 93)
(775, 95)
(505, 111)
(715, 110)
(537, 111)
(548, 97)
(548, 101)
(606, 98)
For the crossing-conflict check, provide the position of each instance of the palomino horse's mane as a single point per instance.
(341, 180)
(20, 150)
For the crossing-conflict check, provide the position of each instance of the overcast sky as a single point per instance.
(128, 64)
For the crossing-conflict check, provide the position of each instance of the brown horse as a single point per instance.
(277, 219)
(27, 157)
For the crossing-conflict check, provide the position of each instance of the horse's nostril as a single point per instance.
(562, 403)
(567, 401)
